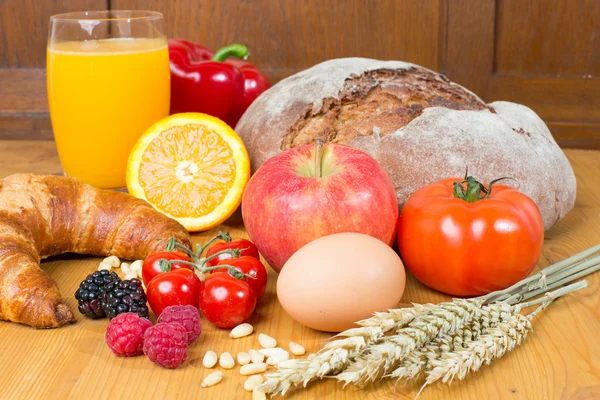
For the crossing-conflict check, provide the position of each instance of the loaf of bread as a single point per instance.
(419, 126)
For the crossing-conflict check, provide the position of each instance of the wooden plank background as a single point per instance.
(545, 54)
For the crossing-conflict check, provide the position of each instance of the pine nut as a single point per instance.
(113, 261)
(277, 358)
(252, 382)
(243, 358)
(241, 331)
(125, 268)
(311, 356)
(136, 266)
(104, 266)
(252, 369)
(210, 359)
(256, 356)
(226, 360)
(130, 275)
(258, 395)
(272, 352)
(296, 349)
(212, 379)
(266, 341)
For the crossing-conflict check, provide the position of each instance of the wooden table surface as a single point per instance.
(559, 360)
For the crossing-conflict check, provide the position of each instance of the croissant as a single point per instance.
(42, 216)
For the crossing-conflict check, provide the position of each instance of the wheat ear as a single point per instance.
(420, 361)
(386, 354)
(337, 354)
(493, 344)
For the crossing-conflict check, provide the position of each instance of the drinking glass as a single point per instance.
(108, 81)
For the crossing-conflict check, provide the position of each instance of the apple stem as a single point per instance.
(318, 157)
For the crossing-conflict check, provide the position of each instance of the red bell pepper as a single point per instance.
(213, 83)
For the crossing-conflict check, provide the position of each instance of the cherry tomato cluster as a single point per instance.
(234, 279)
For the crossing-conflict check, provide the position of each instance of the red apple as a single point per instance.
(316, 190)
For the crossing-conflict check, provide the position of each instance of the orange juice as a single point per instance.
(103, 95)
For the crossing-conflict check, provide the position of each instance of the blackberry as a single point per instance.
(91, 291)
(125, 296)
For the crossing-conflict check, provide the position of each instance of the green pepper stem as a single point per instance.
(233, 50)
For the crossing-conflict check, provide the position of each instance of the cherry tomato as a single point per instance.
(179, 287)
(225, 301)
(250, 266)
(465, 244)
(151, 266)
(246, 247)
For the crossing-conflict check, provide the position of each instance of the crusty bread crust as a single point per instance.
(416, 123)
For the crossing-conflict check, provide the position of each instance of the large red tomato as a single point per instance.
(465, 239)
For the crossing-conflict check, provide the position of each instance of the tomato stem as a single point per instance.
(474, 190)
(172, 245)
(234, 253)
(232, 271)
(220, 236)
(165, 266)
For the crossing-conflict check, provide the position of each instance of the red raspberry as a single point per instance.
(186, 316)
(125, 334)
(166, 345)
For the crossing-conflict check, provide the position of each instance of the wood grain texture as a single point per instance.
(544, 54)
(555, 47)
(513, 51)
(24, 26)
(470, 35)
(23, 104)
(23, 38)
(23, 90)
(576, 135)
(552, 66)
(31, 156)
(559, 360)
(288, 36)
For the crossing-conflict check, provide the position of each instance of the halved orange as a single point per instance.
(191, 167)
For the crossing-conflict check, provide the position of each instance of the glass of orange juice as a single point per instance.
(108, 81)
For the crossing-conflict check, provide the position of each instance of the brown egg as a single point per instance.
(338, 279)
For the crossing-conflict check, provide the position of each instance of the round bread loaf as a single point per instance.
(417, 124)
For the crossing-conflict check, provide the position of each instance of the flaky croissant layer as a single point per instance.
(41, 216)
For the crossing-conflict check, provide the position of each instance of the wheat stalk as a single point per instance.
(421, 359)
(367, 359)
(394, 318)
(337, 354)
(494, 343)
(384, 355)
